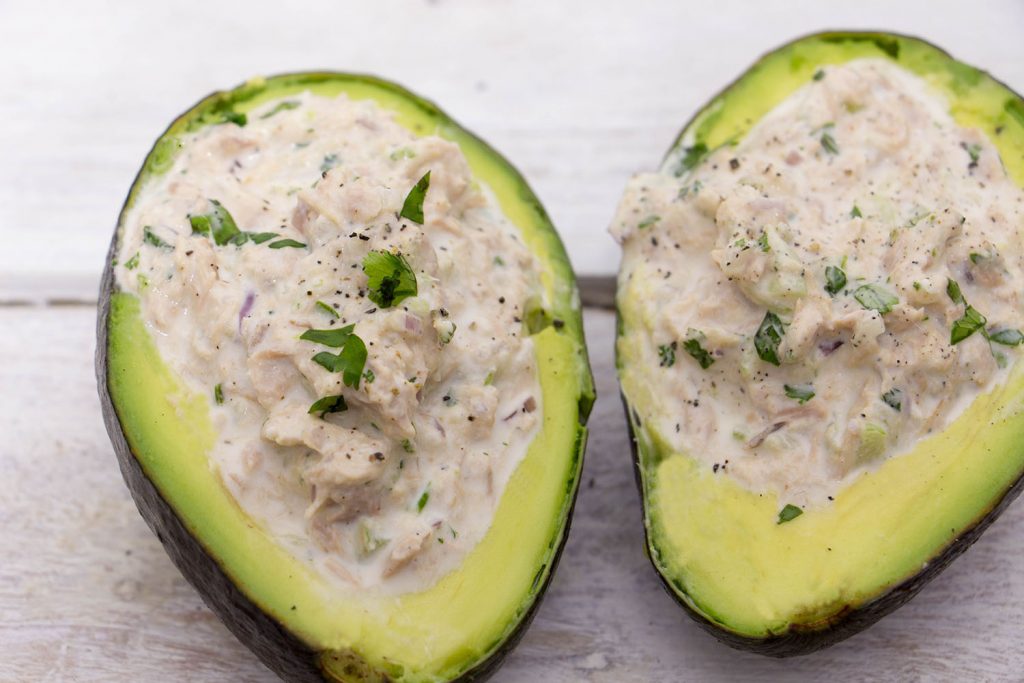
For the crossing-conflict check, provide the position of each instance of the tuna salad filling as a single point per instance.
(352, 302)
(824, 294)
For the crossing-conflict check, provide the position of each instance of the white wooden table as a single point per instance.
(579, 95)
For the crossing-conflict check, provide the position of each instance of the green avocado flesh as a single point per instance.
(791, 588)
(461, 625)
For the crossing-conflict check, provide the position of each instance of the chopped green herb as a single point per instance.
(329, 162)
(328, 309)
(1008, 337)
(875, 298)
(218, 394)
(768, 337)
(413, 206)
(390, 278)
(855, 212)
(280, 107)
(217, 224)
(835, 280)
(801, 392)
(424, 497)
(762, 241)
(667, 355)
(789, 513)
(150, 237)
(407, 446)
(281, 244)
(334, 338)
(133, 262)
(369, 376)
(829, 143)
(953, 291)
(349, 361)
(818, 75)
(693, 156)
(648, 222)
(973, 151)
(143, 281)
(698, 352)
(261, 237)
(969, 323)
(893, 398)
(489, 379)
(498, 261)
(328, 404)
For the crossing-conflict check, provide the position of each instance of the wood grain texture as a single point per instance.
(88, 595)
(578, 94)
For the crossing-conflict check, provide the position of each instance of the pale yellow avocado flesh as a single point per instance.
(440, 632)
(717, 544)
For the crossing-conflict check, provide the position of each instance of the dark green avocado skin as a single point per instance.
(851, 620)
(279, 650)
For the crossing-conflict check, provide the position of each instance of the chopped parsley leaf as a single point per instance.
(966, 325)
(893, 398)
(835, 280)
(150, 237)
(281, 244)
(369, 376)
(698, 352)
(768, 337)
(329, 162)
(413, 206)
(333, 338)
(424, 497)
(855, 212)
(218, 395)
(390, 278)
(974, 152)
(1007, 337)
(801, 392)
(875, 298)
(328, 309)
(648, 222)
(953, 291)
(818, 75)
(667, 355)
(328, 404)
(133, 262)
(349, 361)
(829, 143)
(407, 446)
(789, 513)
(261, 237)
(218, 224)
(762, 242)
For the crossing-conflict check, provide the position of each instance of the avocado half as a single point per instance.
(791, 589)
(461, 627)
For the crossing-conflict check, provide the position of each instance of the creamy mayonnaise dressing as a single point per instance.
(391, 493)
(739, 263)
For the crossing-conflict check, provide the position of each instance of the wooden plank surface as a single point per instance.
(87, 594)
(578, 94)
